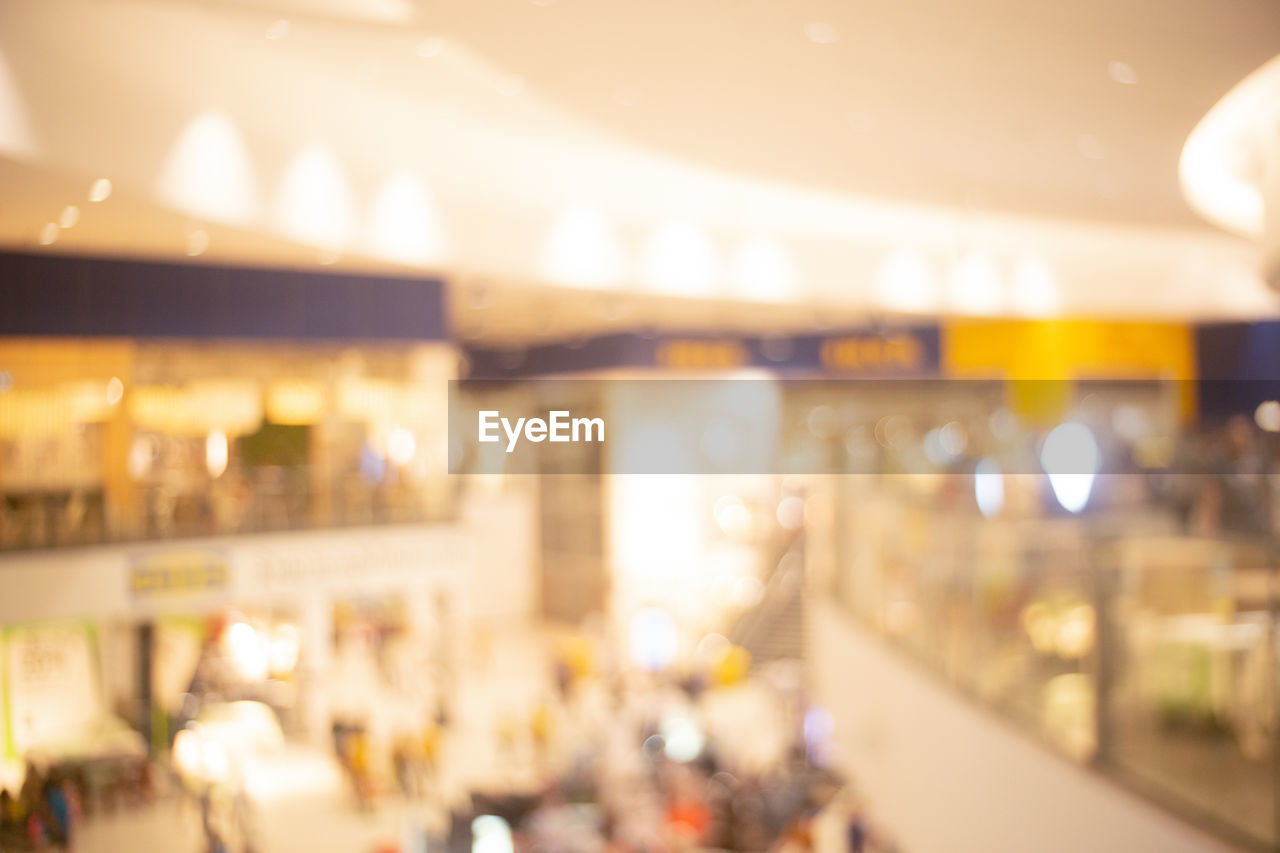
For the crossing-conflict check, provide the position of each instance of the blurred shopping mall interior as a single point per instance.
(919, 368)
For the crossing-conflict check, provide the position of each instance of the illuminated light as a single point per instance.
(1035, 290)
(791, 512)
(140, 456)
(188, 754)
(278, 30)
(430, 47)
(208, 173)
(988, 487)
(820, 32)
(404, 224)
(906, 283)
(1267, 416)
(49, 234)
(712, 647)
(197, 241)
(115, 390)
(100, 190)
(215, 453)
(975, 285)
(954, 438)
(295, 403)
(1071, 458)
(328, 257)
(69, 217)
(1130, 422)
(16, 137)
(510, 85)
(401, 446)
(762, 270)
(491, 834)
(284, 650)
(1122, 72)
(1074, 635)
(1090, 147)
(683, 740)
(582, 250)
(1218, 169)
(247, 650)
(314, 203)
(747, 592)
(653, 639)
(732, 516)
(681, 259)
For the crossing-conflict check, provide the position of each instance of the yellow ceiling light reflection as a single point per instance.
(906, 283)
(314, 202)
(582, 250)
(762, 270)
(975, 285)
(404, 225)
(209, 174)
(680, 259)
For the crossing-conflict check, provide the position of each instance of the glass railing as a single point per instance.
(257, 500)
(1143, 652)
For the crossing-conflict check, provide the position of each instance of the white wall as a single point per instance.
(945, 776)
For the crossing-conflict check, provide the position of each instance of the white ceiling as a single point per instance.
(984, 127)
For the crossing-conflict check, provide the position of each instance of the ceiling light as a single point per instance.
(197, 241)
(582, 250)
(404, 224)
(975, 285)
(905, 282)
(207, 174)
(69, 217)
(1035, 290)
(49, 233)
(681, 259)
(314, 203)
(763, 270)
(100, 190)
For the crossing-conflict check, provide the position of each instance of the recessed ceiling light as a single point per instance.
(49, 233)
(69, 217)
(197, 241)
(100, 190)
(1122, 73)
(820, 32)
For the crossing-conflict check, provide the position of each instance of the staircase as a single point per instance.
(775, 628)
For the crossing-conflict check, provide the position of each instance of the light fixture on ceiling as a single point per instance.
(681, 259)
(208, 173)
(582, 250)
(314, 202)
(975, 285)
(906, 283)
(1035, 289)
(762, 270)
(49, 234)
(404, 225)
(69, 216)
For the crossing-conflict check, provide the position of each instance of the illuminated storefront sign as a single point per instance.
(178, 572)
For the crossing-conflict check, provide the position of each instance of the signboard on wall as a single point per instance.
(51, 682)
